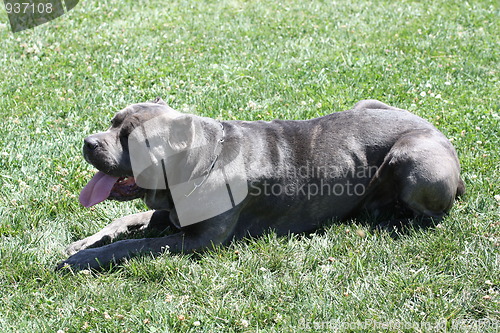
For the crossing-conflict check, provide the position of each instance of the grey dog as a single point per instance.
(221, 181)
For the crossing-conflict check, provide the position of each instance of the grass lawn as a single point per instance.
(235, 59)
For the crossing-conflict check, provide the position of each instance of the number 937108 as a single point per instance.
(29, 8)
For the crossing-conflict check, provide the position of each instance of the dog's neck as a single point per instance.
(218, 147)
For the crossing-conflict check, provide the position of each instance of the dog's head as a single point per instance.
(122, 154)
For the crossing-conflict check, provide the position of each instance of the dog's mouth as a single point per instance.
(103, 186)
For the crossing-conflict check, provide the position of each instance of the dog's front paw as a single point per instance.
(76, 246)
(91, 241)
(88, 259)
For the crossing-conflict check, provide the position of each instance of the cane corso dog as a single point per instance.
(216, 181)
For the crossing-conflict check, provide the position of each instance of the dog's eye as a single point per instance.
(116, 121)
(124, 133)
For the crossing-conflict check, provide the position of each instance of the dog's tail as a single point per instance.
(460, 188)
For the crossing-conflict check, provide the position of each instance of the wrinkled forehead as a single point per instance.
(145, 111)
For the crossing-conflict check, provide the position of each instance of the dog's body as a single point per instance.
(298, 174)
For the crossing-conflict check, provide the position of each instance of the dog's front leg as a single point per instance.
(101, 257)
(198, 237)
(122, 227)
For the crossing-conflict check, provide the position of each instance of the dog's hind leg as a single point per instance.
(423, 170)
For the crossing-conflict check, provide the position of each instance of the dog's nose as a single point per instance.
(91, 143)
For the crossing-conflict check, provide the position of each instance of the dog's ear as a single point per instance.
(158, 100)
(181, 133)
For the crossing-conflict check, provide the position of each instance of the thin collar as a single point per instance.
(212, 165)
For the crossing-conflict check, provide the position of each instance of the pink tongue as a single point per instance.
(97, 189)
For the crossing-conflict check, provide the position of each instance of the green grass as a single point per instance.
(248, 60)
